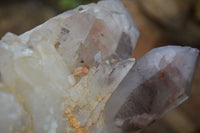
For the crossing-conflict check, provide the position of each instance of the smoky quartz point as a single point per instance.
(158, 82)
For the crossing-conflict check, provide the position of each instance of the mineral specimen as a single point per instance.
(59, 77)
(157, 83)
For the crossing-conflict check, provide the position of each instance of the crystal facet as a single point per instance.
(60, 76)
(157, 83)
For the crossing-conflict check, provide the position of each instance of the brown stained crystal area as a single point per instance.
(148, 102)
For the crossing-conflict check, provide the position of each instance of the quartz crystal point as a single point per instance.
(58, 77)
(84, 33)
(157, 83)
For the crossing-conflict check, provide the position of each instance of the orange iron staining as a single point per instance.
(81, 70)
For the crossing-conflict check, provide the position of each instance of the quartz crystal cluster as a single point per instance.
(74, 74)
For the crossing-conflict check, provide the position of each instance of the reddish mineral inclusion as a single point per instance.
(157, 83)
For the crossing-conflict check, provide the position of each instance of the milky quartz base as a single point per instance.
(74, 74)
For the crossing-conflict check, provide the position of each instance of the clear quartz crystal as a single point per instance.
(60, 76)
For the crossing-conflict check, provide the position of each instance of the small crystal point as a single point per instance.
(157, 83)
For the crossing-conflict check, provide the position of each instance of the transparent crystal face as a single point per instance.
(74, 74)
(157, 83)
(59, 76)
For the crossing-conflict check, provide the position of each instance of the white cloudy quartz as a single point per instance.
(75, 74)
(59, 76)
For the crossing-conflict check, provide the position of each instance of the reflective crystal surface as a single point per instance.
(60, 76)
(157, 83)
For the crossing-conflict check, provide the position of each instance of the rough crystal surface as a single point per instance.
(59, 76)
